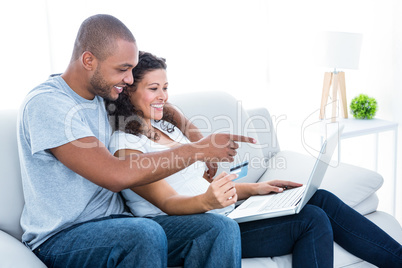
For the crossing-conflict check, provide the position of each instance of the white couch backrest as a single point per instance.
(219, 112)
(11, 196)
(265, 129)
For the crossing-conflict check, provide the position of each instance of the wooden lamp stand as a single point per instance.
(337, 80)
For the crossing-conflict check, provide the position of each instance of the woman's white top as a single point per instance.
(188, 181)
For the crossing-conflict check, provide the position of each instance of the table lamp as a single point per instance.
(342, 51)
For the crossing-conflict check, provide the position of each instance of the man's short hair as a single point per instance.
(98, 35)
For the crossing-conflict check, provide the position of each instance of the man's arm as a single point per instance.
(90, 158)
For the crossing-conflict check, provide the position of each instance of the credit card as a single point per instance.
(241, 170)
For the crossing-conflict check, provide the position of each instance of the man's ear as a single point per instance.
(88, 61)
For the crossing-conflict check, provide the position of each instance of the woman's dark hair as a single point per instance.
(123, 115)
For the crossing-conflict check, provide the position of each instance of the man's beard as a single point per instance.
(100, 86)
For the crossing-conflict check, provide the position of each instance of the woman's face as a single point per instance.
(151, 94)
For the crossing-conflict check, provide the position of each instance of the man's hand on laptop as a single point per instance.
(275, 186)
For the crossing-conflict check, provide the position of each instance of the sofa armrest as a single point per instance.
(15, 254)
(11, 196)
(368, 205)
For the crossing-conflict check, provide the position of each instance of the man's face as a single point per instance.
(115, 73)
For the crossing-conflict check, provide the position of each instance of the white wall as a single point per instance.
(263, 52)
(24, 49)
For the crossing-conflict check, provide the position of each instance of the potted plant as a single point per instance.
(363, 107)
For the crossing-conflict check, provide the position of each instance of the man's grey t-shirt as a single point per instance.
(51, 115)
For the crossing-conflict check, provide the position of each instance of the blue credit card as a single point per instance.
(241, 170)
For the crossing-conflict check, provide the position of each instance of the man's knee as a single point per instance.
(143, 233)
(140, 241)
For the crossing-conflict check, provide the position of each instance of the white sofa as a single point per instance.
(211, 111)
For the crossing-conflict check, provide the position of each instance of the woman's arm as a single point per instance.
(245, 190)
(220, 193)
(185, 126)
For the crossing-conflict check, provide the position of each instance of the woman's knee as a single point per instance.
(323, 197)
(316, 219)
(315, 238)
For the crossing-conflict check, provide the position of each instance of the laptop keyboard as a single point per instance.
(285, 199)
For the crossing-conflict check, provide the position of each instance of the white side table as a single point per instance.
(356, 128)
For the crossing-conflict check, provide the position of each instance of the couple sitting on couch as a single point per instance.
(74, 214)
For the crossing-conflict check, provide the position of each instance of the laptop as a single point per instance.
(290, 201)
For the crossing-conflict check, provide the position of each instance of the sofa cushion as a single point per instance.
(350, 183)
(284, 261)
(368, 205)
(15, 254)
(11, 196)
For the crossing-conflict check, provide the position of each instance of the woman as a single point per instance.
(141, 126)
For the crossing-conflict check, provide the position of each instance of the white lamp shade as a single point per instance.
(341, 50)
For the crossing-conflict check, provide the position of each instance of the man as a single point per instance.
(73, 214)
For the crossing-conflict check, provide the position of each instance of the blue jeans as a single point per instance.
(202, 240)
(114, 241)
(309, 235)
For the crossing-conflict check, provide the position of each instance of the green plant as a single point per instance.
(363, 107)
